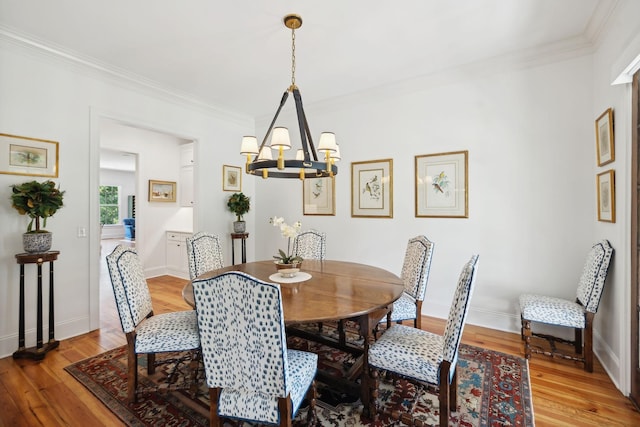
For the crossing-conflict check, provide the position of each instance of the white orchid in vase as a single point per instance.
(289, 232)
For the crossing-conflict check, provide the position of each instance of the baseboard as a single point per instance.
(610, 362)
(64, 330)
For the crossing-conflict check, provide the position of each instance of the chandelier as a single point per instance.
(306, 163)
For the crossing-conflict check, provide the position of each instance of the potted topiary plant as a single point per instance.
(239, 204)
(38, 200)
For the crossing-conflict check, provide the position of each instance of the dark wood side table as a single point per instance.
(243, 239)
(40, 350)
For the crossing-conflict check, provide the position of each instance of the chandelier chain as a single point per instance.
(293, 57)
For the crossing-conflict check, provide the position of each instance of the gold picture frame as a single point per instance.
(605, 145)
(162, 191)
(606, 183)
(21, 155)
(318, 196)
(442, 185)
(231, 178)
(372, 189)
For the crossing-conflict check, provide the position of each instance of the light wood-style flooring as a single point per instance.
(43, 394)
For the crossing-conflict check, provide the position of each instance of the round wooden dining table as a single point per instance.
(335, 290)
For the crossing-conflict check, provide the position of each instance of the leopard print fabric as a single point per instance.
(244, 347)
(562, 312)
(310, 244)
(415, 353)
(175, 331)
(204, 253)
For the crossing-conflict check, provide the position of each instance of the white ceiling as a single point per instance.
(236, 54)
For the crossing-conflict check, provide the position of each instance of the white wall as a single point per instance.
(617, 49)
(44, 96)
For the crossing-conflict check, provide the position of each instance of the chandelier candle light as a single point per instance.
(289, 231)
(306, 162)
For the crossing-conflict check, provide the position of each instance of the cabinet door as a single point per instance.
(186, 155)
(186, 186)
(174, 260)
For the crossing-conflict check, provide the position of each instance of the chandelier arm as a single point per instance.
(285, 95)
(301, 124)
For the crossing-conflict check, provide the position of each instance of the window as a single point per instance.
(109, 204)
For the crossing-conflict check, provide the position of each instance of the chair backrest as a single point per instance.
(594, 275)
(204, 253)
(310, 244)
(241, 325)
(459, 309)
(130, 289)
(416, 266)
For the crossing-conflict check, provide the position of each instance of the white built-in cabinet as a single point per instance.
(186, 192)
(177, 262)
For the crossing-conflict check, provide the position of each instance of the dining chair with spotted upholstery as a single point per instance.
(250, 373)
(310, 244)
(423, 357)
(148, 333)
(564, 313)
(204, 253)
(415, 274)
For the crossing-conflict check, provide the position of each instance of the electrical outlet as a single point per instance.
(82, 232)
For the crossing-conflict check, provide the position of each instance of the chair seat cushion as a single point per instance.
(262, 407)
(410, 352)
(404, 308)
(177, 331)
(551, 310)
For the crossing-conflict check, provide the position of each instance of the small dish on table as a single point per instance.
(288, 273)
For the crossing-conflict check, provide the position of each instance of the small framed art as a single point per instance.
(20, 155)
(318, 195)
(372, 189)
(607, 196)
(605, 146)
(162, 191)
(231, 178)
(442, 187)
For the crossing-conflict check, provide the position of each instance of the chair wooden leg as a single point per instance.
(151, 363)
(577, 340)
(214, 395)
(285, 406)
(444, 395)
(370, 409)
(588, 342)
(418, 320)
(312, 395)
(453, 391)
(132, 367)
(526, 325)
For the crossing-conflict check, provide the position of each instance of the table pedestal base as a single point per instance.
(36, 353)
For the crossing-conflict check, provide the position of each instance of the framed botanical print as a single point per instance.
(606, 196)
(442, 187)
(318, 195)
(604, 138)
(231, 178)
(162, 191)
(21, 155)
(372, 189)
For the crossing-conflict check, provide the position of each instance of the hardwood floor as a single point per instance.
(43, 394)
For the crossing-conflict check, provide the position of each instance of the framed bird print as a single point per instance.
(442, 185)
(606, 196)
(604, 138)
(318, 195)
(372, 189)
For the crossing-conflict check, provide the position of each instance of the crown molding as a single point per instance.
(92, 67)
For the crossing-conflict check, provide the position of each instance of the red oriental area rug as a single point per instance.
(493, 391)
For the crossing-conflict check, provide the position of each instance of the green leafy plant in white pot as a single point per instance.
(39, 201)
(239, 204)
